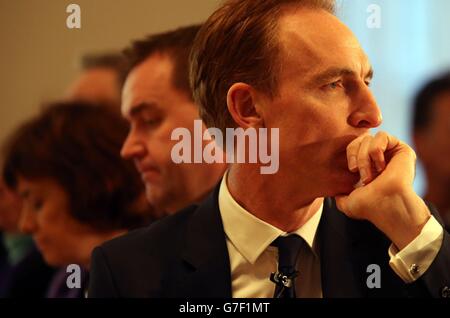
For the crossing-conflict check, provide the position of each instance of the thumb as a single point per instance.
(342, 202)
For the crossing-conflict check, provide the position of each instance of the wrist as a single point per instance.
(411, 215)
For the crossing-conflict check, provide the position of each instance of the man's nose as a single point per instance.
(27, 221)
(366, 113)
(132, 147)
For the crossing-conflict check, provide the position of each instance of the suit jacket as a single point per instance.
(29, 278)
(185, 255)
(58, 285)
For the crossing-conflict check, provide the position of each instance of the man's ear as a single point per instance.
(243, 107)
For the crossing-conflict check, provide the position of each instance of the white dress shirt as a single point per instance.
(252, 259)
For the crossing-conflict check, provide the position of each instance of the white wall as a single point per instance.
(39, 54)
(411, 45)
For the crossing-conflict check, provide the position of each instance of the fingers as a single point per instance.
(363, 160)
(377, 149)
(352, 154)
(366, 155)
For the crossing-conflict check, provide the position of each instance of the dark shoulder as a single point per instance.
(162, 233)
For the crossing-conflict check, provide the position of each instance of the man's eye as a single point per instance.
(335, 85)
(151, 122)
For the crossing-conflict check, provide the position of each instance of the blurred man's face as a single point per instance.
(10, 207)
(433, 143)
(324, 101)
(96, 85)
(155, 108)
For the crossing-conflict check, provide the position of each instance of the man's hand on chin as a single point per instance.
(384, 196)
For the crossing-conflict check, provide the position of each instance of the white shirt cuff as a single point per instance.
(414, 260)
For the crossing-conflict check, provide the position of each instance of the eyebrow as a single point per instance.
(338, 72)
(139, 108)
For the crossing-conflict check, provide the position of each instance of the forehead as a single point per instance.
(148, 82)
(312, 39)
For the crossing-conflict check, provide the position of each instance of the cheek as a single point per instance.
(437, 148)
(51, 241)
(51, 231)
(61, 244)
(159, 145)
(306, 121)
(308, 129)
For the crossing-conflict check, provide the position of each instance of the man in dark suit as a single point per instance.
(156, 99)
(339, 218)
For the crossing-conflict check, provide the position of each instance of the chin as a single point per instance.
(155, 197)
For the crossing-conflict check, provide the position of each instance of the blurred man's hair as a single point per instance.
(111, 60)
(176, 44)
(238, 43)
(425, 98)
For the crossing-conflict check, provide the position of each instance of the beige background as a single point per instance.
(39, 54)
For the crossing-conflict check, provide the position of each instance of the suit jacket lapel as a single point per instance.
(206, 270)
(206, 254)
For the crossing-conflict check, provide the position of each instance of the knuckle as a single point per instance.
(376, 152)
(381, 134)
(367, 138)
(363, 162)
(351, 147)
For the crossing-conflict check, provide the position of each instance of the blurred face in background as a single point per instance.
(154, 107)
(46, 216)
(97, 85)
(433, 142)
(10, 207)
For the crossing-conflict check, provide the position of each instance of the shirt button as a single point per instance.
(445, 292)
(414, 269)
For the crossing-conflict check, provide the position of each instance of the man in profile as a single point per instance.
(156, 100)
(431, 131)
(341, 203)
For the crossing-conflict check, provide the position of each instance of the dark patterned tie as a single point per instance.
(288, 251)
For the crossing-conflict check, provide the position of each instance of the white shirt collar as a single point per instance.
(258, 235)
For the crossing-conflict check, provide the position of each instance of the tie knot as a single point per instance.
(288, 251)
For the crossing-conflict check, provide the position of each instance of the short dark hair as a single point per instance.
(176, 44)
(238, 43)
(78, 145)
(425, 98)
(110, 60)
